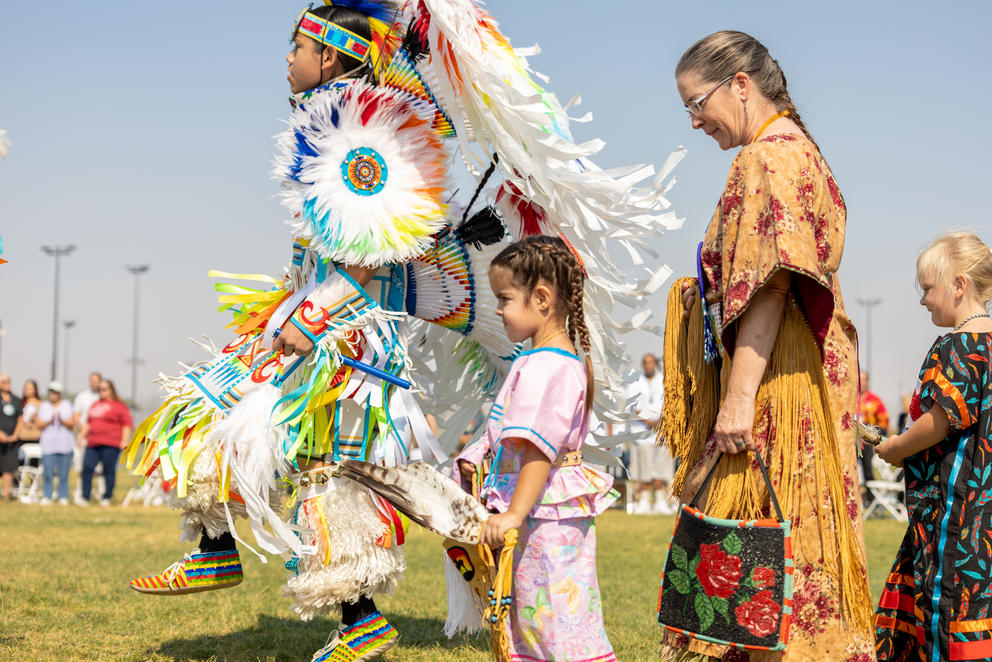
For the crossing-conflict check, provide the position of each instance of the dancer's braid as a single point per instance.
(549, 259)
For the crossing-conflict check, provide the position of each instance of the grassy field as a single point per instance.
(64, 594)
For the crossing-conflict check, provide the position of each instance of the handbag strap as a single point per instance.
(764, 474)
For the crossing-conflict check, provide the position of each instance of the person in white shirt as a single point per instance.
(651, 467)
(85, 399)
(81, 410)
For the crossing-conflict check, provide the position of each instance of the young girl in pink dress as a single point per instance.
(533, 442)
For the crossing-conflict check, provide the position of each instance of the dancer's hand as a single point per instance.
(888, 450)
(690, 292)
(497, 525)
(467, 470)
(292, 341)
(734, 424)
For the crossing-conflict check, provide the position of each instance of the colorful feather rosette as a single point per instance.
(364, 172)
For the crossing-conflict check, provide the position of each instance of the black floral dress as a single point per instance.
(936, 601)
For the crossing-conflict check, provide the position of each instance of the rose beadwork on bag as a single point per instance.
(728, 581)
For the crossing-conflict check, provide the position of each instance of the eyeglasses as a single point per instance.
(695, 106)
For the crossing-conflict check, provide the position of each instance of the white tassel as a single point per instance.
(463, 612)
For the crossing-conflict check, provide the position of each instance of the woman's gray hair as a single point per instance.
(727, 52)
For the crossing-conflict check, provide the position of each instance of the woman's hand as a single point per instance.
(497, 525)
(734, 424)
(888, 450)
(690, 293)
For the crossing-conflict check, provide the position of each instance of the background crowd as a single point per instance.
(47, 438)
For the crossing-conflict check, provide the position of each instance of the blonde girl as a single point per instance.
(937, 598)
(532, 445)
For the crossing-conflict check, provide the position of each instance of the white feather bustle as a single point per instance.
(601, 212)
(464, 377)
(357, 565)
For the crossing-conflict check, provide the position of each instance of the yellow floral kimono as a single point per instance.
(781, 209)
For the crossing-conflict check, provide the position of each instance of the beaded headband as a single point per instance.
(333, 35)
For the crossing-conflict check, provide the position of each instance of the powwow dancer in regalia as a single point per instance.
(320, 369)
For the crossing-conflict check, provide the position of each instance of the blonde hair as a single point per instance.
(958, 253)
(727, 52)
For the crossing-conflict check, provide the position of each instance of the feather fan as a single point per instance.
(423, 494)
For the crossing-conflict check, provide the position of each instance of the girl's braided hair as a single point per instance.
(549, 259)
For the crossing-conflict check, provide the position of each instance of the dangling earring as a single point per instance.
(746, 119)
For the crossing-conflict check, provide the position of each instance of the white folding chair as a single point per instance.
(148, 494)
(28, 474)
(887, 491)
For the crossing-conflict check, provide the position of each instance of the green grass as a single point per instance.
(64, 594)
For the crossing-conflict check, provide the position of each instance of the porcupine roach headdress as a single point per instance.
(550, 184)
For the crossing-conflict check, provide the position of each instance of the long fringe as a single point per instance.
(691, 387)
(795, 382)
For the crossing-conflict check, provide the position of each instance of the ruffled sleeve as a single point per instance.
(781, 209)
(945, 380)
(544, 405)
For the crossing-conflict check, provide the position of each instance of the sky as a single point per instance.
(142, 134)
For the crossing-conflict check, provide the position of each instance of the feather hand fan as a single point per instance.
(423, 494)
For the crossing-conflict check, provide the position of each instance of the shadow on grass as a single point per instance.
(281, 639)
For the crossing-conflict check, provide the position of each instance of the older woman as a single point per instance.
(789, 373)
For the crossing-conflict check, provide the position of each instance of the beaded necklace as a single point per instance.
(968, 319)
(781, 113)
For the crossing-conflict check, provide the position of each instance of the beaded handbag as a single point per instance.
(729, 581)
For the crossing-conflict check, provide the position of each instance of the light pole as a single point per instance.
(68, 324)
(57, 252)
(868, 304)
(136, 270)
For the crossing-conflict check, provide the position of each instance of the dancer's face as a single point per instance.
(521, 312)
(305, 64)
(722, 114)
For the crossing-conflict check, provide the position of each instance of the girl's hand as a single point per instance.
(888, 450)
(690, 293)
(467, 470)
(497, 525)
(734, 424)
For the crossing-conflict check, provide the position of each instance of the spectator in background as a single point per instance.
(56, 420)
(30, 431)
(10, 418)
(85, 399)
(81, 408)
(873, 412)
(106, 430)
(904, 421)
(651, 466)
